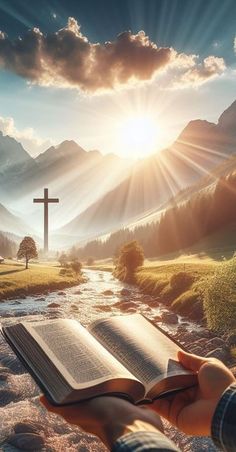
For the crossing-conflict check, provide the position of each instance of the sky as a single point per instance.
(120, 76)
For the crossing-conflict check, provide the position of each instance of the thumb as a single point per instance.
(190, 361)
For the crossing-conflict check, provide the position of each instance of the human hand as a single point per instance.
(192, 409)
(107, 417)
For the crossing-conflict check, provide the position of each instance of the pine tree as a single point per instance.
(27, 250)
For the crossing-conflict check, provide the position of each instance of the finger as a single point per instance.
(190, 361)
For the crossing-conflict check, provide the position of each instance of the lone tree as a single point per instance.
(27, 250)
(131, 257)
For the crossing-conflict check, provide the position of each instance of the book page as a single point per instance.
(148, 353)
(75, 353)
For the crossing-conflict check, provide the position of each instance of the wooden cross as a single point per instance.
(46, 200)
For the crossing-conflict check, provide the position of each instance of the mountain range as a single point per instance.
(200, 147)
(74, 175)
(100, 193)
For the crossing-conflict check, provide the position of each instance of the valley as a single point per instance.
(110, 192)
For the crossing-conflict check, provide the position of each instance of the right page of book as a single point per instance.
(145, 350)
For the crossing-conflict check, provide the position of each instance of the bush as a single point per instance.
(65, 272)
(189, 303)
(220, 298)
(181, 281)
(130, 257)
(76, 266)
(90, 261)
(149, 284)
(120, 273)
(63, 260)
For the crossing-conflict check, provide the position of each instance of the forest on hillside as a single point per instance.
(179, 227)
(8, 248)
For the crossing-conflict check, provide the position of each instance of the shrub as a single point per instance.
(150, 284)
(120, 273)
(62, 272)
(65, 272)
(181, 281)
(188, 303)
(130, 257)
(76, 266)
(220, 298)
(63, 260)
(90, 261)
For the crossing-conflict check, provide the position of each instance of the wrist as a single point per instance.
(116, 429)
(222, 428)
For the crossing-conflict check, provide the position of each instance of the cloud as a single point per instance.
(188, 71)
(66, 58)
(28, 137)
(210, 68)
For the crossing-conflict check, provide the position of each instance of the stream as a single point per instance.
(24, 423)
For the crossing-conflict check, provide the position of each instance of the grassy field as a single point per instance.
(105, 265)
(40, 277)
(179, 283)
(200, 286)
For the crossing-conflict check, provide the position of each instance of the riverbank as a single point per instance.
(179, 285)
(39, 279)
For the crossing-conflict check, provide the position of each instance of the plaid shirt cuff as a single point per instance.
(223, 429)
(144, 441)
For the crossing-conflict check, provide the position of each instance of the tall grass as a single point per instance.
(178, 285)
(220, 298)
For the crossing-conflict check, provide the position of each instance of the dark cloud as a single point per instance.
(67, 59)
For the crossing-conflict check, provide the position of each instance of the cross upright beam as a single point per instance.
(46, 200)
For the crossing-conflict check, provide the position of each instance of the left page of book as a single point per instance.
(69, 349)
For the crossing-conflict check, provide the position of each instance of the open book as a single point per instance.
(124, 355)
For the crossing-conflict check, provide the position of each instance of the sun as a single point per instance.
(139, 136)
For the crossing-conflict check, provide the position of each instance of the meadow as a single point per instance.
(179, 283)
(15, 281)
(197, 286)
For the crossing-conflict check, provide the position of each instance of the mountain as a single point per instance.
(205, 184)
(99, 193)
(227, 120)
(12, 154)
(74, 175)
(200, 147)
(12, 224)
(66, 153)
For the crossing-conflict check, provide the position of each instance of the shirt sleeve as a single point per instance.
(144, 441)
(223, 427)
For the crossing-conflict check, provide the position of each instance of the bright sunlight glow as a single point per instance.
(139, 136)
